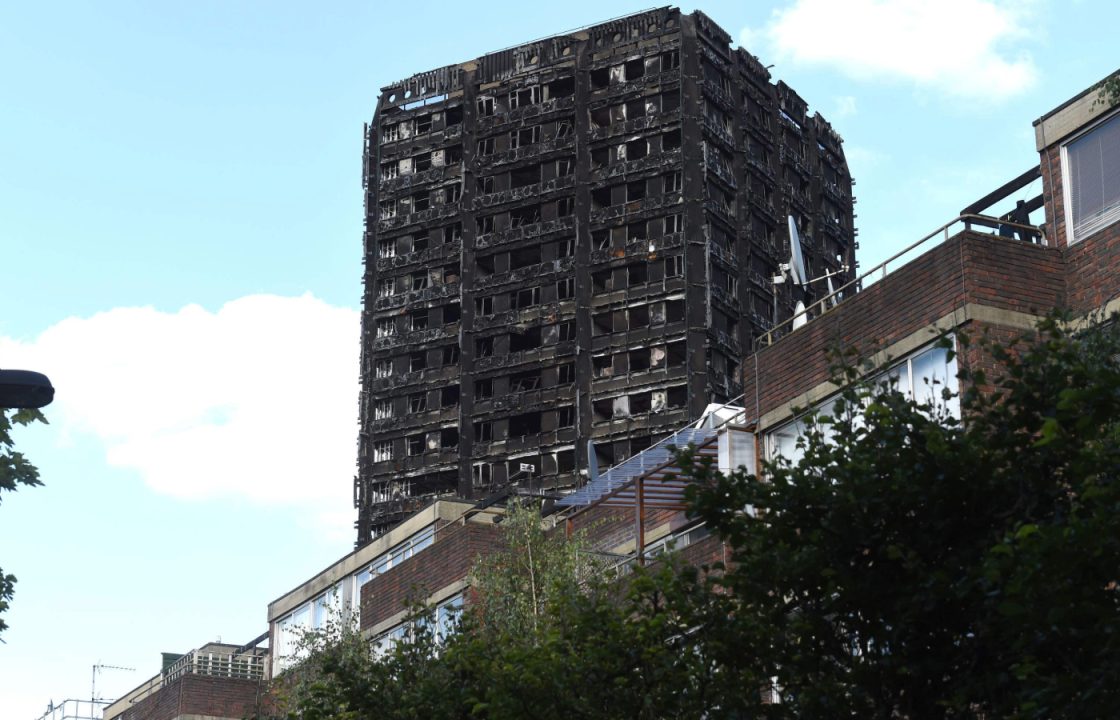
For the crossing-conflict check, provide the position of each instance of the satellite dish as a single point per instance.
(831, 291)
(800, 317)
(796, 260)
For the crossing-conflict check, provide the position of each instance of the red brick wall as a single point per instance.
(970, 267)
(607, 527)
(448, 560)
(1093, 271)
(1093, 264)
(202, 695)
(1052, 190)
(705, 552)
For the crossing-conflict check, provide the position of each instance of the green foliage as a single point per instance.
(912, 566)
(518, 586)
(15, 470)
(908, 566)
(552, 633)
(1108, 90)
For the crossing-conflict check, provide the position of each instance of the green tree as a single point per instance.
(15, 470)
(913, 566)
(551, 633)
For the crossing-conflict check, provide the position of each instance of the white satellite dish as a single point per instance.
(831, 291)
(800, 317)
(796, 260)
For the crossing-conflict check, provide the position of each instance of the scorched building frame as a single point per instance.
(576, 240)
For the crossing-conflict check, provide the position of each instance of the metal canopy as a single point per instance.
(655, 463)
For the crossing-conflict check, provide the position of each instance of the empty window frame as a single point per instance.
(451, 354)
(565, 417)
(674, 266)
(415, 444)
(523, 177)
(418, 402)
(382, 450)
(525, 424)
(525, 381)
(482, 474)
(565, 289)
(527, 339)
(525, 97)
(449, 396)
(483, 431)
(386, 327)
(524, 257)
(524, 137)
(522, 216)
(566, 374)
(525, 297)
(483, 389)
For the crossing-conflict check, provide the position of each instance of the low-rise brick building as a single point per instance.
(984, 272)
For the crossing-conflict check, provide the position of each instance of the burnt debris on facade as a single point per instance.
(575, 240)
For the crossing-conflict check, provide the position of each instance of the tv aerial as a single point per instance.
(796, 272)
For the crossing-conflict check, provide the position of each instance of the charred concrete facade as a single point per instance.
(575, 240)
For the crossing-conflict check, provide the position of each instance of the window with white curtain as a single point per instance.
(923, 376)
(1091, 166)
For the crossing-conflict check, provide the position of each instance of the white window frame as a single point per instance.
(1108, 217)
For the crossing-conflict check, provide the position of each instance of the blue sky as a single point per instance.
(180, 227)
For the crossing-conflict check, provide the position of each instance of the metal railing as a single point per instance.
(1006, 228)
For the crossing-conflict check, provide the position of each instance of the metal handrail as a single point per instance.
(772, 335)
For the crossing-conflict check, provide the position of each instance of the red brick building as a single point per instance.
(984, 272)
(993, 274)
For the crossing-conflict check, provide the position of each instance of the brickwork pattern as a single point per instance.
(447, 561)
(971, 267)
(218, 697)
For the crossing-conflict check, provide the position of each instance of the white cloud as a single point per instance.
(257, 400)
(749, 39)
(954, 46)
(845, 106)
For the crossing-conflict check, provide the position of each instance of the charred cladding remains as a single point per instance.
(575, 240)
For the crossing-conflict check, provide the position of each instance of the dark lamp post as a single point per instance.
(24, 389)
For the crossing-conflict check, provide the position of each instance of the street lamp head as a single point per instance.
(24, 389)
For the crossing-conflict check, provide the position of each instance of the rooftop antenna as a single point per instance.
(796, 259)
(99, 667)
(796, 271)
